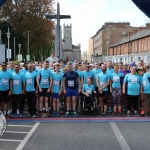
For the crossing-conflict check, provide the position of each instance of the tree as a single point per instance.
(29, 15)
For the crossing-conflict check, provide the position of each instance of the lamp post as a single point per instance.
(8, 36)
(19, 50)
(28, 42)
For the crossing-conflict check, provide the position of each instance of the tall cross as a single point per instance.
(58, 40)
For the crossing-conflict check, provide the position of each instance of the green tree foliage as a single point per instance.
(29, 15)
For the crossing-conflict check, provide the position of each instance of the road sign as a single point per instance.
(20, 57)
(28, 57)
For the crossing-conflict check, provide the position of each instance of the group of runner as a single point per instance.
(117, 87)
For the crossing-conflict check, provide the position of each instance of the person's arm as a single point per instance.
(10, 91)
(83, 92)
(38, 83)
(110, 86)
(97, 83)
(64, 86)
(107, 83)
(61, 87)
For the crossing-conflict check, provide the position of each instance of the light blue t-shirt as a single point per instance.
(146, 83)
(79, 72)
(23, 71)
(17, 81)
(86, 75)
(45, 75)
(56, 80)
(103, 78)
(5, 78)
(115, 78)
(30, 80)
(88, 89)
(110, 70)
(134, 82)
(10, 70)
(96, 72)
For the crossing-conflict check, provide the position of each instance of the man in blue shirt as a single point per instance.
(17, 91)
(31, 89)
(87, 74)
(110, 70)
(56, 90)
(5, 86)
(11, 67)
(102, 81)
(71, 78)
(44, 85)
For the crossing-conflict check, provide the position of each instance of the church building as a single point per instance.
(70, 51)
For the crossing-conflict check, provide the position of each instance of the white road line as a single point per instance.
(14, 125)
(16, 132)
(10, 140)
(119, 136)
(24, 141)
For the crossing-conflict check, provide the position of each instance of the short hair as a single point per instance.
(69, 63)
(5, 63)
(109, 61)
(46, 61)
(115, 65)
(121, 62)
(17, 65)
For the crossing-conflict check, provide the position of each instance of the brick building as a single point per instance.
(106, 36)
(135, 46)
(90, 50)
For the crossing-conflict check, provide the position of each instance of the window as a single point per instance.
(131, 59)
(121, 59)
(139, 58)
(125, 59)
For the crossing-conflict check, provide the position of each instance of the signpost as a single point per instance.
(28, 57)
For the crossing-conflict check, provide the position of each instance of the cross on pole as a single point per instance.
(58, 38)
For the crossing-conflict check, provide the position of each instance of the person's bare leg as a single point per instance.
(74, 102)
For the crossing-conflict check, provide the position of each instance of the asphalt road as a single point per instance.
(77, 136)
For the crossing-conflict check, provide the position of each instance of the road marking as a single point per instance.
(24, 141)
(10, 140)
(12, 125)
(16, 132)
(119, 136)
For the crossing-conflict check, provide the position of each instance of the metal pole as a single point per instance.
(14, 48)
(28, 42)
(8, 36)
(19, 50)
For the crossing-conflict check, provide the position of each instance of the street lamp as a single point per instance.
(28, 42)
(19, 51)
(8, 36)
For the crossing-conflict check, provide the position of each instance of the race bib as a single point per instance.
(29, 81)
(16, 82)
(116, 79)
(45, 81)
(88, 91)
(71, 83)
(144, 83)
(102, 83)
(55, 83)
(134, 80)
(4, 81)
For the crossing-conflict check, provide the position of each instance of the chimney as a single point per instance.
(140, 29)
(148, 26)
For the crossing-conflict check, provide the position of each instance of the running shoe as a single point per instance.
(47, 114)
(142, 112)
(67, 114)
(101, 112)
(40, 114)
(9, 112)
(58, 115)
(110, 110)
(34, 116)
(104, 113)
(17, 111)
(145, 115)
(14, 115)
(136, 115)
(114, 113)
(75, 114)
(29, 115)
(92, 108)
(54, 114)
(128, 114)
(21, 115)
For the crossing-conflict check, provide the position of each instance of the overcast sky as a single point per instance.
(88, 16)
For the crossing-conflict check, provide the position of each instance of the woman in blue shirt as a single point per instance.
(115, 89)
(133, 91)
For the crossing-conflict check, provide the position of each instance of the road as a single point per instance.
(109, 133)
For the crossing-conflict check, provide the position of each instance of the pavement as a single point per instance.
(82, 133)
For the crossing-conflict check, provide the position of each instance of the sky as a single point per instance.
(88, 16)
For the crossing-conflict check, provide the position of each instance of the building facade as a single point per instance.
(90, 50)
(106, 36)
(135, 46)
(70, 51)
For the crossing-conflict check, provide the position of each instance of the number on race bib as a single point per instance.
(16, 82)
(4, 82)
(134, 80)
(45, 81)
(29, 81)
(116, 79)
(71, 83)
(102, 83)
(55, 83)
